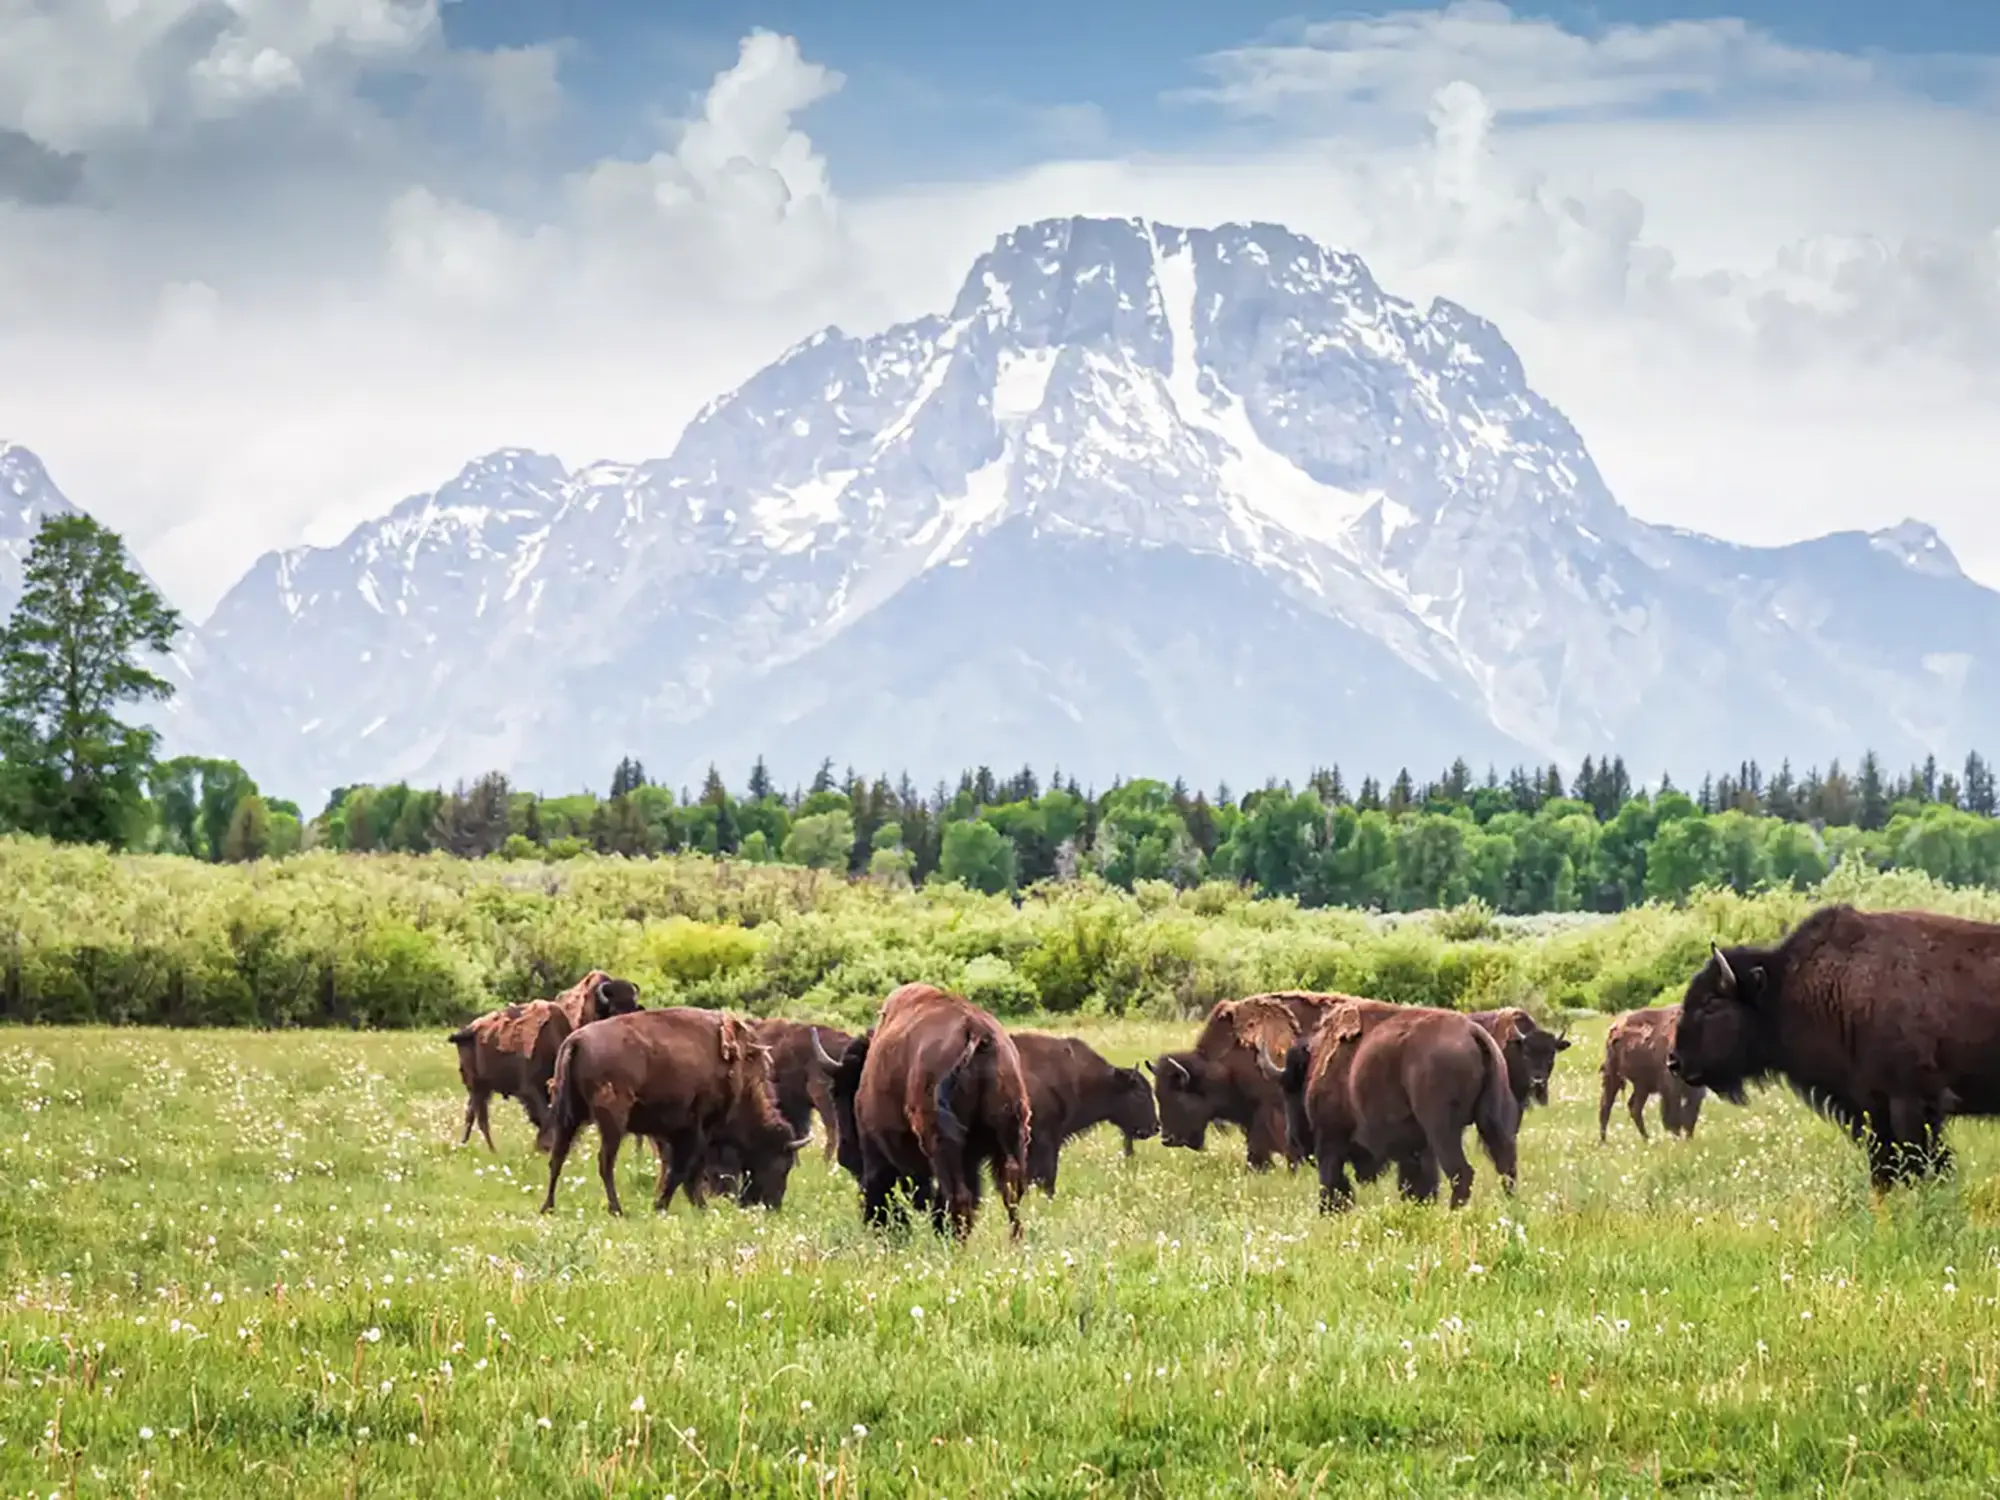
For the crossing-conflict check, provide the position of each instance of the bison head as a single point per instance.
(1719, 1038)
(1132, 1109)
(1291, 1078)
(617, 997)
(1180, 1084)
(1533, 1050)
(767, 1161)
(843, 1083)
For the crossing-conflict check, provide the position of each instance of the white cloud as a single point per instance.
(1524, 66)
(1772, 317)
(84, 73)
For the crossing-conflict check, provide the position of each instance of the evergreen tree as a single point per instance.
(70, 659)
(759, 788)
(1874, 810)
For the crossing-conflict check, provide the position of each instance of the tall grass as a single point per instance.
(400, 940)
(235, 1263)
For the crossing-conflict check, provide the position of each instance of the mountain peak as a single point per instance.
(1917, 546)
(1134, 468)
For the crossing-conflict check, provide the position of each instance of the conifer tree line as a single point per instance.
(1533, 840)
(74, 658)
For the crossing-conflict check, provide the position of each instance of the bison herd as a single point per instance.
(1887, 1022)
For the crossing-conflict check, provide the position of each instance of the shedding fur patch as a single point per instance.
(579, 1001)
(1261, 1022)
(517, 1028)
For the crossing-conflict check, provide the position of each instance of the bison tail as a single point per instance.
(565, 1098)
(949, 1125)
(1497, 1114)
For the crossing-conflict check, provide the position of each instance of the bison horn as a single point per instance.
(824, 1057)
(1271, 1069)
(1181, 1068)
(1722, 966)
(801, 1143)
(1146, 1063)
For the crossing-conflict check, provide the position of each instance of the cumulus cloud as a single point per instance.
(289, 307)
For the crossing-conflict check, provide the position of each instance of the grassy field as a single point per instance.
(235, 1262)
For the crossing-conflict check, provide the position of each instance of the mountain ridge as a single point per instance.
(1373, 483)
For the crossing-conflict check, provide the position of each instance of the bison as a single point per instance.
(800, 1087)
(1219, 1079)
(1886, 1022)
(689, 1080)
(940, 1093)
(1378, 1083)
(1072, 1088)
(512, 1051)
(1529, 1049)
(1635, 1052)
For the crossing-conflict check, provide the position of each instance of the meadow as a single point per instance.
(237, 1261)
(242, 1249)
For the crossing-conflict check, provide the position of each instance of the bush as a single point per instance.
(403, 940)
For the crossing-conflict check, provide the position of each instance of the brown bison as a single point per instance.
(1529, 1049)
(941, 1093)
(687, 1079)
(1219, 1080)
(1072, 1088)
(1887, 1022)
(1635, 1052)
(1378, 1083)
(512, 1051)
(801, 1088)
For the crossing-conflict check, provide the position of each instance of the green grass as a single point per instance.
(238, 1262)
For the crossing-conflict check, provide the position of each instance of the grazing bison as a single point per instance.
(1219, 1079)
(1635, 1052)
(1529, 1049)
(512, 1051)
(1887, 1022)
(1070, 1089)
(1379, 1083)
(799, 1086)
(941, 1093)
(687, 1079)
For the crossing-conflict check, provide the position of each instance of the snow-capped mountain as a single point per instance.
(1144, 500)
(27, 497)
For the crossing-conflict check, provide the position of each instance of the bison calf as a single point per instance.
(1635, 1053)
(686, 1078)
(1379, 1083)
(1071, 1088)
(1529, 1049)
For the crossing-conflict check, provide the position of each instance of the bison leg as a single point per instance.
(1042, 1163)
(1637, 1105)
(475, 1114)
(1417, 1176)
(958, 1187)
(879, 1181)
(1445, 1138)
(1613, 1087)
(1265, 1139)
(609, 1138)
(682, 1169)
(1335, 1191)
(559, 1146)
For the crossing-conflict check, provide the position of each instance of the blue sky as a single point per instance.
(933, 90)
